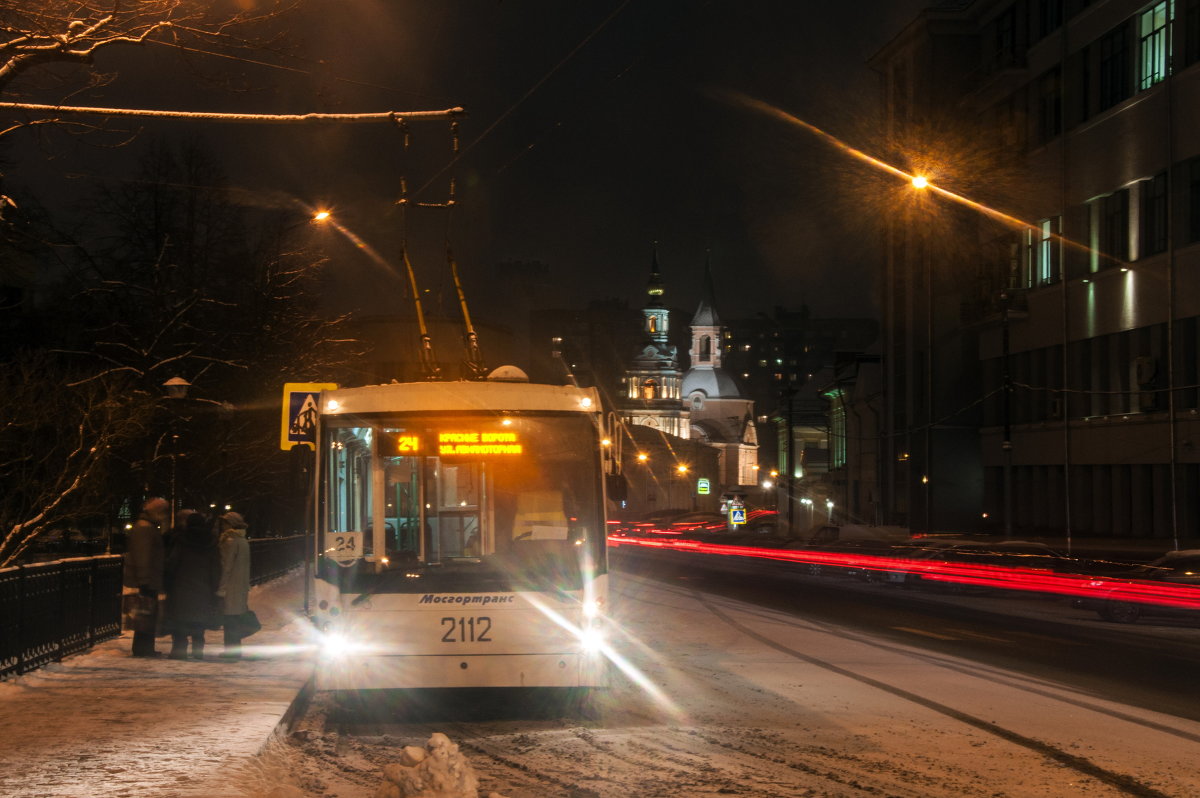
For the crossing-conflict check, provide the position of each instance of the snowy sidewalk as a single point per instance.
(105, 724)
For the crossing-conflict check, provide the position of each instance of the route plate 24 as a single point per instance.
(344, 546)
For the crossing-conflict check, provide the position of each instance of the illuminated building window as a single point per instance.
(1154, 35)
(649, 389)
(762, 362)
(1042, 252)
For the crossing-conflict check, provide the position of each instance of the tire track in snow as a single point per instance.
(1079, 764)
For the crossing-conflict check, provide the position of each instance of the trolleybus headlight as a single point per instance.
(335, 645)
(591, 638)
(591, 608)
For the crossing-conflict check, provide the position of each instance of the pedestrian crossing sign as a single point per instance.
(737, 515)
(300, 410)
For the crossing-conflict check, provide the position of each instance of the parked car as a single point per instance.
(914, 554)
(1180, 568)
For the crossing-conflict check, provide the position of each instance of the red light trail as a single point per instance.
(991, 576)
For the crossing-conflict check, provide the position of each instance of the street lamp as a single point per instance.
(829, 509)
(176, 388)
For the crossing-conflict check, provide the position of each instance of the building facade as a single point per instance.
(1041, 348)
(651, 386)
(721, 415)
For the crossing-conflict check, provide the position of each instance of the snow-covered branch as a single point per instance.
(367, 117)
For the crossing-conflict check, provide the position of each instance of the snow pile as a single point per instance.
(439, 770)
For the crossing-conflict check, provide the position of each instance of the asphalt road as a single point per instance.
(1150, 664)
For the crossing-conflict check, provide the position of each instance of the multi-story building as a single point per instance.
(1040, 351)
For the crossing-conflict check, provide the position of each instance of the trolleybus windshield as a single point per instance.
(461, 502)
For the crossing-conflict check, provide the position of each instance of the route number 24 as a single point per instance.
(467, 630)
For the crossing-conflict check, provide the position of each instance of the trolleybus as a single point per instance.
(459, 536)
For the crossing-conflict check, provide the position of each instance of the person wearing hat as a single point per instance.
(143, 576)
(234, 590)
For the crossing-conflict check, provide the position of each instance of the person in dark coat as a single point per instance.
(172, 535)
(192, 577)
(143, 575)
(235, 581)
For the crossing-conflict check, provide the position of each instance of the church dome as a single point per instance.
(714, 383)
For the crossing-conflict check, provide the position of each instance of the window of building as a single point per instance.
(1193, 196)
(1049, 122)
(649, 389)
(1191, 32)
(1042, 248)
(837, 436)
(899, 95)
(1077, 77)
(705, 349)
(1109, 236)
(1154, 216)
(1114, 67)
(1154, 34)
(652, 324)
(1006, 37)
(1049, 16)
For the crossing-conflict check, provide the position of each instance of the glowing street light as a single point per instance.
(920, 182)
(321, 216)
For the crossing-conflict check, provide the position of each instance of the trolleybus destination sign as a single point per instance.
(479, 443)
(456, 443)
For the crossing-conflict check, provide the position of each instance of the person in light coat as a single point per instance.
(234, 590)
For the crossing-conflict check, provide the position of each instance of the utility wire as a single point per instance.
(526, 96)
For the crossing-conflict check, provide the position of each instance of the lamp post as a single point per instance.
(176, 388)
(829, 510)
(1007, 386)
(807, 502)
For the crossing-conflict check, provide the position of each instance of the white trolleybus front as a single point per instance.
(459, 537)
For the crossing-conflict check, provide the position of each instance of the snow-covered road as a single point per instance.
(724, 698)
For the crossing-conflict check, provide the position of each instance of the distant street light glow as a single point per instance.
(919, 182)
(320, 216)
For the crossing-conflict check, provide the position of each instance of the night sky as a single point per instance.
(594, 130)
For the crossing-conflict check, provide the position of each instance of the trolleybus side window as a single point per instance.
(350, 496)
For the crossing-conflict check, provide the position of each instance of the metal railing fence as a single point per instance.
(51, 610)
(54, 609)
(274, 557)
